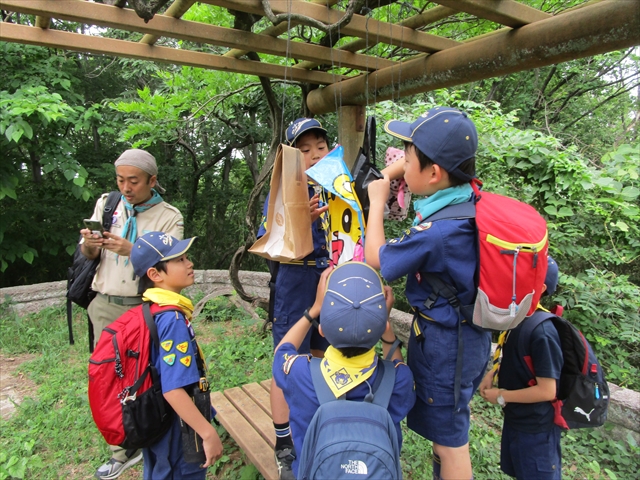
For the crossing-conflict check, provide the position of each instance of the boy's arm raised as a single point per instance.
(186, 409)
(378, 194)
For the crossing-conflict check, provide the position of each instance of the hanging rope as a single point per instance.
(287, 59)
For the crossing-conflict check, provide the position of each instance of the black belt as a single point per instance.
(123, 301)
(322, 262)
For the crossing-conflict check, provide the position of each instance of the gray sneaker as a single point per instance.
(284, 458)
(113, 468)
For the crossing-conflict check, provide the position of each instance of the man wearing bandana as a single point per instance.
(141, 210)
(353, 308)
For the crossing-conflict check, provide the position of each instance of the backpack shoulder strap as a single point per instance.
(109, 207)
(524, 336)
(323, 392)
(149, 318)
(384, 383)
(450, 212)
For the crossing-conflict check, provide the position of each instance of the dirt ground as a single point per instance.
(13, 386)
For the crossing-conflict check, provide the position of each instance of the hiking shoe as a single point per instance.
(284, 458)
(113, 468)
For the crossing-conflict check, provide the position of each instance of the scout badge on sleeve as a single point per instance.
(288, 234)
(344, 223)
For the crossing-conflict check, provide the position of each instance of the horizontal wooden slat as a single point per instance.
(506, 12)
(108, 46)
(360, 26)
(253, 445)
(258, 419)
(259, 395)
(162, 25)
(266, 384)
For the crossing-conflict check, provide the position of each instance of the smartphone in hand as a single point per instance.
(95, 226)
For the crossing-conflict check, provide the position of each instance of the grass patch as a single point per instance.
(52, 434)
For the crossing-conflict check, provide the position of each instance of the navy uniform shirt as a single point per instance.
(546, 355)
(297, 386)
(177, 366)
(445, 248)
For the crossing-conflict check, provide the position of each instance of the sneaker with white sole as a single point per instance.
(114, 468)
(284, 458)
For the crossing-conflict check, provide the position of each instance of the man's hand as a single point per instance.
(315, 209)
(91, 240)
(117, 244)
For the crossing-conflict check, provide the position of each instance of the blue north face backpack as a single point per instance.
(348, 439)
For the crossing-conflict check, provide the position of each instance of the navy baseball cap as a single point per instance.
(300, 126)
(551, 280)
(354, 311)
(444, 134)
(155, 247)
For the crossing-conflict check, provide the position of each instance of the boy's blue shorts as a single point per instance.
(531, 456)
(296, 287)
(432, 360)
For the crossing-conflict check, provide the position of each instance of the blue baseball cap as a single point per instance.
(155, 247)
(444, 134)
(551, 280)
(300, 126)
(354, 311)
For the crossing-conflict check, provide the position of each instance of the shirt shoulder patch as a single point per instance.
(422, 227)
(286, 368)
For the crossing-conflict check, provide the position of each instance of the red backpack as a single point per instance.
(125, 395)
(512, 260)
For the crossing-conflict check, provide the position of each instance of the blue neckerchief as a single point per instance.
(449, 196)
(130, 229)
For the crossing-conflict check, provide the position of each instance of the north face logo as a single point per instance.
(355, 467)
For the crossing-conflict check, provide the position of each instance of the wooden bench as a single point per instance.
(245, 412)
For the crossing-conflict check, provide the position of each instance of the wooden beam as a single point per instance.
(599, 28)
(506, 12)
(176, 10)
(351, 124)
(360, 26)
(160, 25)
(108, 46)
(420, 20)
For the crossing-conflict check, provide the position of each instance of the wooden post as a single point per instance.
(351, 121)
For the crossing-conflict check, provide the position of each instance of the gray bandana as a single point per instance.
(141, 159)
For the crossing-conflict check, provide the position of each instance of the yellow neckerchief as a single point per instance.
(498, 353)
(165, 297)
(342, 374)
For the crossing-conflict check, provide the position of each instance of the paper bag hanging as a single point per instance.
(288, 233)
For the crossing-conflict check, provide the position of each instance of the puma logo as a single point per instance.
(582, 412)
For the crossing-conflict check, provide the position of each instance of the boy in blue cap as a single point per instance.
(448, 366)
(353, 308)
(296, 283)
(530, 447)
(161, 262)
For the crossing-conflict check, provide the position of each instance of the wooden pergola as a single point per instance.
(346, 64)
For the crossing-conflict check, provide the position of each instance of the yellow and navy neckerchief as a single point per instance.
(165, 297)
(343, 374)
